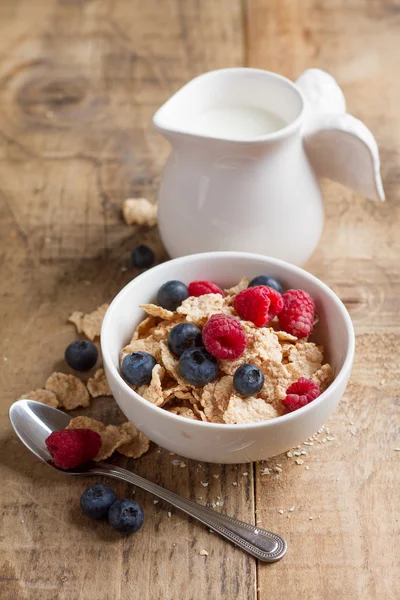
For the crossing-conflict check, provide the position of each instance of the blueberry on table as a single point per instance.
(126, 516)
(172, 294)
(142, 256)
(184, 336)
(96, 500)
(81, 355)
(248, 380)
(136, 368)
(197, 366)
(266, 280)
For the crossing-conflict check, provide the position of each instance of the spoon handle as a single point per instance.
(261, 544)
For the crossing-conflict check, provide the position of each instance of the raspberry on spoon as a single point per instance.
(70, 448)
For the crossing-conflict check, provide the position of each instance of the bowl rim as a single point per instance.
(292, 416)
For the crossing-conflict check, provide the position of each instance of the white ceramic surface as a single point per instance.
(339, 146)
(257, 194)
(226, 443)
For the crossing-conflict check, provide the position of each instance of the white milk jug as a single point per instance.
(248, 147)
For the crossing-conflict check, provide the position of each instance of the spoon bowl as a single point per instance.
(33, 422)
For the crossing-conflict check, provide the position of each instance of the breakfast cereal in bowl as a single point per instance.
(236, 356)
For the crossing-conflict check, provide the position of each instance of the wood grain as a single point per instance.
(80, 80)
(79, 84)
(352, 483)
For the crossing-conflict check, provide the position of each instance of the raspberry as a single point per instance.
(73, 447)
(297, 316)
(224, 337)
(258, 304)
(253, 305)
(198, 288)
(276, 301)
(300, 393)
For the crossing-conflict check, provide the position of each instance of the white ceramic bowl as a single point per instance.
(213, 442)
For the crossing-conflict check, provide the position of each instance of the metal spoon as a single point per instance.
(33, 422)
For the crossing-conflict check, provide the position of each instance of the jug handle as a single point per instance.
(339, 146)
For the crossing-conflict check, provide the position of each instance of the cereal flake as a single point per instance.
(90, 323)
(138, 443)
(182, 394)
(76, 318)
(248, 410)
(323, 377)
(70, 390)
(286, 348)
(162, 330)
(276, 381)
(262, 345)
(98, 385)
(148, 344)
(44, 396)
(199, 412)
(171, 363)
(157, 311)
(139, 211)
(154, 392)
(173, 390)
(111, 436)
(305, 358)
(182, 411)
(198, 309)
(145, 328)
(215, 398)
(283, 336)
(239, 287)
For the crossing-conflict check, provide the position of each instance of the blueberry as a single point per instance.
(126, 516)
(96, 500)
(137, 368)
(81, 355)
(172, 294)
(183, 336)
(197, 366)
(248, 380)
(142, 257)
(265, 280)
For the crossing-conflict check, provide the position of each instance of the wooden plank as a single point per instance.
(80, 81)
(349, 548)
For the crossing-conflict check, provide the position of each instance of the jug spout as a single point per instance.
(339, 146)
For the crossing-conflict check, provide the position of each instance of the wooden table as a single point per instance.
(80, 80)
